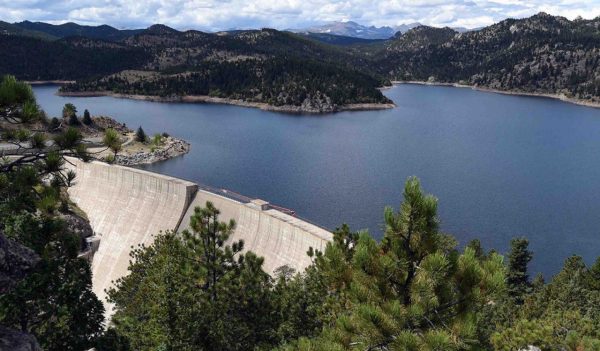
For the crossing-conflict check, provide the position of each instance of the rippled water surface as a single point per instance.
(502, 166)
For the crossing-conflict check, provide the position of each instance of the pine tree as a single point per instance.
(140, 135)
(412, 291)
(518, 279)
(73, 120)
(54, 302)
(69, 110)
(196, 291)
(87, 119)
(112, 141)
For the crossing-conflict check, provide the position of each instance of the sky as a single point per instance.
(215, 15)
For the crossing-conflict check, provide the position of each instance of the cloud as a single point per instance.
(216, 15)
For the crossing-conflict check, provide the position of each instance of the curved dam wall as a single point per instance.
(280, 238)
(127, 207)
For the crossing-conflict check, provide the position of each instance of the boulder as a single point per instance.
(15, 262)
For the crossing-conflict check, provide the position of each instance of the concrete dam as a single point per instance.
(127, 207)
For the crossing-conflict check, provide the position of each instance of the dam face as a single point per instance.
(127, 207)
(280, 238)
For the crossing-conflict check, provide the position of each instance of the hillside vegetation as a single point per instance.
(318, 72)
(541, 54)
(265, 66)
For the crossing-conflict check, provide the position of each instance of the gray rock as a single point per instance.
(16, 261)
(79, 226)
(12, 340)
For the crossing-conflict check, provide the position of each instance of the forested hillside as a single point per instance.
(265, 66)
(540, 54)
(70, 29)
(67, 59)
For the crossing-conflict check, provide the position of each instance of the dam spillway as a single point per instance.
(127, 207)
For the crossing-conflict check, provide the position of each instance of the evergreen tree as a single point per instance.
(54, 302)
(73, 120)
(413, 291)
(562, 315)
(517, 279)
(54, 124)
(69, 110)
(140, 135)
(196, 291)
(87, 119)
(112, 141)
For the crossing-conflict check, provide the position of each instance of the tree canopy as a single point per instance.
(54, 301)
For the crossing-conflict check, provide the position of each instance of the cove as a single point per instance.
(502, 166)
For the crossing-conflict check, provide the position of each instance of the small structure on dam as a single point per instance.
(127, 207)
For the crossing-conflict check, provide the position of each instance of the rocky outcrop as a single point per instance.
(79, 226)
(172, 147)
(12, 340)
(16, 261)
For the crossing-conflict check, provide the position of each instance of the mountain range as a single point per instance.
(315, 72)
(355, 30)
(105, 32)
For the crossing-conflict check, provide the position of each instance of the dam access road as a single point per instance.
(127, 207)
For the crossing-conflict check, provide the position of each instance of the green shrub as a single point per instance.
(110, 158)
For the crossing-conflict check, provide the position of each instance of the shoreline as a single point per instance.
(226, 101)
(172, 148)
(48, 82)
(561, 97)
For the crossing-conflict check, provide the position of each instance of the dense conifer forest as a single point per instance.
(541, 54)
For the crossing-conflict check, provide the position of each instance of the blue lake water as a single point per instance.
(502, 166)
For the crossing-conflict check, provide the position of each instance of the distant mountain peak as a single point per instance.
(161, 29)
(351, 29)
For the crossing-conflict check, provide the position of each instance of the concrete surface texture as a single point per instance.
(126, 207)
(280, 238)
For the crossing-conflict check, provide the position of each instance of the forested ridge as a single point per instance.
(541, 54)
(67, 59)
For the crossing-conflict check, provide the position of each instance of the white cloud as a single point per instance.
(282, 14)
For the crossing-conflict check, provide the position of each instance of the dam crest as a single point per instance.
(126, 207)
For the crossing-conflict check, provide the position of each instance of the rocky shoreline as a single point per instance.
(216, 100)
(44, 82)
(172, 147)
(561, 97)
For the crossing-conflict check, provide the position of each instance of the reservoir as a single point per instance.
(502, 166)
